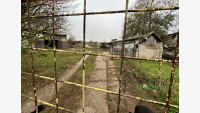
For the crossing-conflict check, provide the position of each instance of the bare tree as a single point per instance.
(41, 25)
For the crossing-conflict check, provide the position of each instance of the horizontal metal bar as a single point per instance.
(48, 104)
(103, 90)
(107, 12)
(112, 56)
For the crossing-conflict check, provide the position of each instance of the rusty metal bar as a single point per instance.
(122, 54)
(106, 91)
(83, 77)
(112, 56)
(122, 59)
(172, 75)
(48, 104)
(54, 48)
(108, 12)
(32, 60)
(159, 74)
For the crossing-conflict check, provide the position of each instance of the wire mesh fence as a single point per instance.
(153, 65)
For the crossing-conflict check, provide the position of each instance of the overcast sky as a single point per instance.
(103, 27)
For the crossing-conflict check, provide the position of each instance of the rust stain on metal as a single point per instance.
(172, 75)
(122, 59)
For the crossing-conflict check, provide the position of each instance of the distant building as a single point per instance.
(169, 47)
(142, 46)
(78, 44)
(60, 42)
(104, 45)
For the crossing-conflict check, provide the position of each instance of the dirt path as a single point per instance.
(96, 101)
(113, 85)
(46, 93)
(104, 76)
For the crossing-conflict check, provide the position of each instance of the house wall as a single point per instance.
(116, 49)
(168, 51)
(39, 44)
(152, 42)
(151, 48)
(128, 48)
(60, 44)
(150, 52)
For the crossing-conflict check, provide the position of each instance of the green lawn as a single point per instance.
(44, 65)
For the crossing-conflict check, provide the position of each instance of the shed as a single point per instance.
(142, 46)
(60, 42)
(169, 47)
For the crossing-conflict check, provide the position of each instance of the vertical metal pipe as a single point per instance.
(122, 59)
(54, 48)
(32, 61)
(160, 71)
(83, 77)
(159, 74)
(138, 64)
(172, 75)
(138, 61)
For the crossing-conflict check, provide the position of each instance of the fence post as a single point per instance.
(111, 51)
(160, 72)
(159, 75)
(54, 51)
(122, 59)
(83, 77)
(32, 63)
(172, 74)
(134, 50)
(138, 63)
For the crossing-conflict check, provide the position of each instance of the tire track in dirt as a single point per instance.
(46, 93)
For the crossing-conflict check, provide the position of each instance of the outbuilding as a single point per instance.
(142, 46)
(60, 42)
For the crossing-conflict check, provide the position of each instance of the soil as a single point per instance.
(96, 101)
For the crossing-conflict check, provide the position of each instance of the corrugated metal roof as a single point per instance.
(143, 37)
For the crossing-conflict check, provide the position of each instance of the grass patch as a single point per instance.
(149, 70)
(89, 65)
(44, 65)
